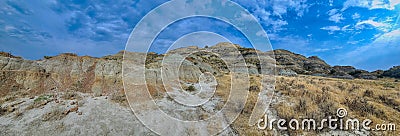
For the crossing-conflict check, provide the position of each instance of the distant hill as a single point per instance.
(102, 75)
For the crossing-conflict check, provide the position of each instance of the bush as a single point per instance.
(2, 110)
(368, 93)
(41, 98)
(191, 88)
(48, 57)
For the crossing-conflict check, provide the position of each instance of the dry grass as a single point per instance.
(18, 114)
(119, 97)
(318, 98)
(2, 110)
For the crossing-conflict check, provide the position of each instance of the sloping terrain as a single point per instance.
(82, 95)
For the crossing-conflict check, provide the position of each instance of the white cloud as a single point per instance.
(381, 26)
(277, 24)
(331, 29)
(376, 53)
(353, 42)
(260, 9)
(327, 49)
(8, 28)
(347, 28)
(356, 16)
(393, 3)
(290, 42)
(336, 18)
(371, 4)
(261, 33)
(332, 12)
(243, 16)
(281, 7)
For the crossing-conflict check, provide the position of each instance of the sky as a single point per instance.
(360, 33)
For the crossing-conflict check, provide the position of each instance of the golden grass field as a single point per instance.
(308, 97)
(320, 97)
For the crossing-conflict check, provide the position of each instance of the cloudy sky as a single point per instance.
(361, 33)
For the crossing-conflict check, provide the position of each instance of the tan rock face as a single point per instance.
(64, 73)
(103, 76)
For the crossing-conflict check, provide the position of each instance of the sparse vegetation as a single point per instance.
(40, 101)
(2, 110)
(298, 97)
(47, 57)
(18, 114)
(42, 98)
(361, 98)
(119, 97)
(191, 88)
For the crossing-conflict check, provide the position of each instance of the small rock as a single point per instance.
(254, 88)
(44, 102)
(11, 109)
(80, 113)
(66, 112)
(75, 109)
(73, 103)
(287, 72)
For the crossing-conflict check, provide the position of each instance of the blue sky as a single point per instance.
(361, 33)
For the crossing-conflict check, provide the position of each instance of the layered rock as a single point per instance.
(300, 64)
(102, 76)
(392, 72)
(66, 72)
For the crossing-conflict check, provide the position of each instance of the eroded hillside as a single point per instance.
(60, 92)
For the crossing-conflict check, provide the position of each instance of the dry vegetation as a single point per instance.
(318, 98)
(300, 97)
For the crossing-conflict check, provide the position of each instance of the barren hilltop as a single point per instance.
(70, 94)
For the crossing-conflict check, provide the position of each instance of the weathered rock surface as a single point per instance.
(393, 72)
(64, 72)
(300, 64)
(102, 76)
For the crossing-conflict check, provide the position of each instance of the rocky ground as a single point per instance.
(81, 114)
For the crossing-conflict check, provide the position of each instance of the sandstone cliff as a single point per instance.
(102, 76)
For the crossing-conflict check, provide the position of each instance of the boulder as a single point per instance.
(287, 72)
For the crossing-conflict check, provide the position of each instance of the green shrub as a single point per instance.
(191, 88)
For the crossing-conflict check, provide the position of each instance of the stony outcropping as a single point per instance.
(102, 76)
(63, 72)
(301, 64)
(289, 64)
(393, 72)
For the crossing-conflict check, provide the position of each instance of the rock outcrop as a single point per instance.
(393, 72)
(300, 64)
(102, 76)
(63, 72)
